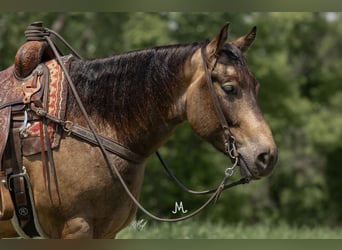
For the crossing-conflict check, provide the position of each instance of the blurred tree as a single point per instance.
(298, 102)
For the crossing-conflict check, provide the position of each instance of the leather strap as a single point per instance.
(50, 166)
(11, 103)
(5, 119)
(6, 204)
(213, 95)
(20, 198)
(230, 147)
(87, 135)
(19, 187)
(110, 145)
(19, 192)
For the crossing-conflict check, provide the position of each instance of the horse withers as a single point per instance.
(138, 99)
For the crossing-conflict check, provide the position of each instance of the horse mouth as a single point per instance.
(246, 171)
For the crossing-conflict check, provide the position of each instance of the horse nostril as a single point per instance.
(265, 162)
(263, 158)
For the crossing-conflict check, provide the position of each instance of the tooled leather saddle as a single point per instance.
(35, 80)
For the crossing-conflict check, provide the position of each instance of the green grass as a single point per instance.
(208, 230)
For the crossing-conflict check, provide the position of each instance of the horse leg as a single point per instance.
(77, 228)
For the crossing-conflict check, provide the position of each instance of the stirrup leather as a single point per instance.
(6, 204)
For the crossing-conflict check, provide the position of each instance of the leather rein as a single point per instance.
(105, 144)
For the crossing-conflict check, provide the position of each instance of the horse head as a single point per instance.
(235, 89)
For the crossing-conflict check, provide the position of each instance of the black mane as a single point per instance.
(129, 89)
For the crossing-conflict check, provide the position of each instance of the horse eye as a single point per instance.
(229, 89)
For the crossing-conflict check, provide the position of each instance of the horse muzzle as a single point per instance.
(258, 166)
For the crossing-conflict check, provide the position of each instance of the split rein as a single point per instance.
(37, 32)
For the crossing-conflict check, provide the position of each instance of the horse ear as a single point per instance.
(217, 43)
(244, 42)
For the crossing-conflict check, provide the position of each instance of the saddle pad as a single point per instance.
(57, 99)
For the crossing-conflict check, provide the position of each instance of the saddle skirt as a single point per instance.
(14, 91)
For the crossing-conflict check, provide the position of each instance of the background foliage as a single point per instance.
(297, 60)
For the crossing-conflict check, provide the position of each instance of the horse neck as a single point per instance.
(136, 105)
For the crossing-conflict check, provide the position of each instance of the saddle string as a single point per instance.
(216, 192)
(51, 163)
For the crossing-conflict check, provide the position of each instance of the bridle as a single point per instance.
(229, 140)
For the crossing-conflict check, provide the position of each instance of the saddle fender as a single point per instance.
(6, 204)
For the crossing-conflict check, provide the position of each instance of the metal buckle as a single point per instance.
(67, 127)
(230, 147)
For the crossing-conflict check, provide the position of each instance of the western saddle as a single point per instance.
(24, 87)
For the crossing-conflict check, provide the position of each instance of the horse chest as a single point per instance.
(87, 189)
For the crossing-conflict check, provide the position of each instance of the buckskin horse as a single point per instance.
(136, 100)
